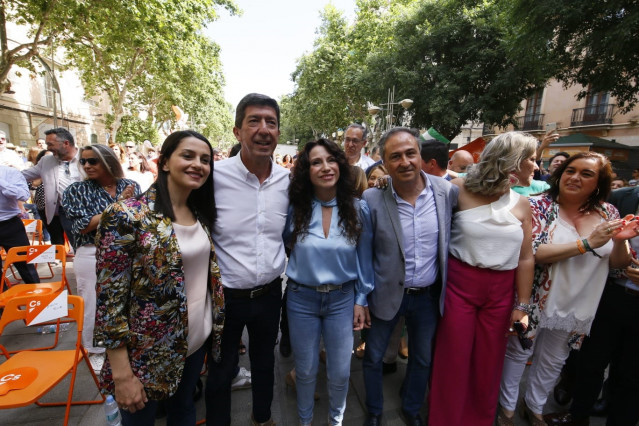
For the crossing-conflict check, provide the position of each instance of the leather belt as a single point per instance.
(632, 291)
(250, 293)
(322, 288)
(416, 290)
(419, 290)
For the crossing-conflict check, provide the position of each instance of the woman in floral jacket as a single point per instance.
(158, 306)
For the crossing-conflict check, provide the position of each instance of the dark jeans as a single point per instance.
(12, 234)
(36, 215)
(59, 226)
(614, 339)
(421, 312)
(180, 408)
(261, 317)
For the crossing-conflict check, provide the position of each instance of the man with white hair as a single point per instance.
(9, 157)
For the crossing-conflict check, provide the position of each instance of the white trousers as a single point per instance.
(549, 352)
(85, 275)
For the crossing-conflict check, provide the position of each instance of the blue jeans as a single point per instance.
(180, 408)
(312, 314)
(421, 312)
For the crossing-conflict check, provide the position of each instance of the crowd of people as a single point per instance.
(178, 251)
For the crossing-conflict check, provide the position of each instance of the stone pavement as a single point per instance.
(284, 401)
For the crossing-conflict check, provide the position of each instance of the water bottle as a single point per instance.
(48, 329)
(112, 412)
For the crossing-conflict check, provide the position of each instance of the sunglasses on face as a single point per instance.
(91, 161)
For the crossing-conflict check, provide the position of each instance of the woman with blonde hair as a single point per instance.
(490, 272)
(84, 203)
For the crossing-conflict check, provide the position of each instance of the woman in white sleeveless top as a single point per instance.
(490, 261)
(576, 239)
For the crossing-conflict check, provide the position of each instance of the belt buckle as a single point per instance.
(323, 288)
(631, 291)
(255, 292)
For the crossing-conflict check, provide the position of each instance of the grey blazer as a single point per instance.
(388, 247)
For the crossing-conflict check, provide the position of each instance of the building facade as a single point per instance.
(47, 98)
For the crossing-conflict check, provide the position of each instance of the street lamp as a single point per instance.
(387, 119)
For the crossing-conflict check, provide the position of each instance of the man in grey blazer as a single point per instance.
(411, 221)
(57, 172)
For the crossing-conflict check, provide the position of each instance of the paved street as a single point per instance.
(284, 403)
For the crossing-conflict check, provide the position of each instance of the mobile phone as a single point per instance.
(551, 127)
(520, 327)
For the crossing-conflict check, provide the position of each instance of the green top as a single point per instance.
(536, 187)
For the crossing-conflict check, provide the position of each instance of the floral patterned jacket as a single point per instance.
(141, 298)
(545, 212)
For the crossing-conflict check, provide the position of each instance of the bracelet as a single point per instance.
(588, 248)
(524, 307)
(581, 246)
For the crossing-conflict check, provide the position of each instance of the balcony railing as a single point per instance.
(593, 114)
(530, 122)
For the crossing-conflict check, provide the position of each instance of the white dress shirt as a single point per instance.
(249, 225)
(11, 158)
(364, 162)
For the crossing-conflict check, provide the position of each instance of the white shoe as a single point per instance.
(97, 361)
(242, 380)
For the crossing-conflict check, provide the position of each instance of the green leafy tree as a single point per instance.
(321, 93)
(590, 43)
(292, 127)
(196, 86)
(135, 129)
(450, 57)
(120, 44)
(45, 21)
(328, 92)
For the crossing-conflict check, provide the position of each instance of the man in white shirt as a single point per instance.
(9, 157)
(354, 141)
(251, 198)
(57, 172)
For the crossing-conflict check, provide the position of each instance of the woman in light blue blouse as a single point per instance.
(330, 272)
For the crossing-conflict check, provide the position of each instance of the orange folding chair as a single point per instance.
(34, 230)
(30, 375)
(33, 227)
(33, 290)
(24, 254)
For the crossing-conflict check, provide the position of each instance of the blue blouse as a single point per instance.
(316, 260)
(83, 200)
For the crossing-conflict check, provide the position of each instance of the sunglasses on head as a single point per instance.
(91, 161)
